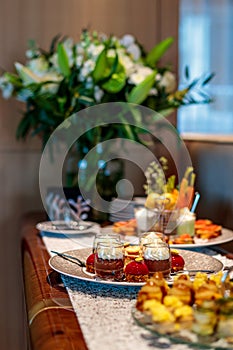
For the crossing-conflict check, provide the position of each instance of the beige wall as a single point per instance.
(41, 20)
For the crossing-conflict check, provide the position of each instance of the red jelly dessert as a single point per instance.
(177, 261)
(90, 262)
(136, 271)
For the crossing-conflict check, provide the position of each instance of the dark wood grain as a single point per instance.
(52, 322)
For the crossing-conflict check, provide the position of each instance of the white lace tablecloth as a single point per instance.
(104, 311)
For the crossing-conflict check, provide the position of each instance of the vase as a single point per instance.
(80, 172)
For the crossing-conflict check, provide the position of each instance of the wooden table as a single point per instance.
(51, 320)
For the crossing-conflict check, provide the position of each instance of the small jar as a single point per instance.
(109, 260)
(105, 238)
(152, 237)
(186, 224)
(157, 257)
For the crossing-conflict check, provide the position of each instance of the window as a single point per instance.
(205, 46)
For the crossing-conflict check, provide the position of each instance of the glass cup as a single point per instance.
(157, 257)
(152, 237)
(105, 238)
(168, 222)
(109, 260)
(186, 224)
(146, 219)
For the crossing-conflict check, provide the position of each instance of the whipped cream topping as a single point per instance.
(151, 237)
(156, 252)
(110, 252)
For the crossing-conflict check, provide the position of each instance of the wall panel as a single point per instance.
(41, 20)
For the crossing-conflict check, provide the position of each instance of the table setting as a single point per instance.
(112, 274)
(104, 308)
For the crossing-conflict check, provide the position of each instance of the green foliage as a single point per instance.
(71, 76)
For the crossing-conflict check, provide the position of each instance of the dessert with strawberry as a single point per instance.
(90, 263)
(177, 261)
(136, 271)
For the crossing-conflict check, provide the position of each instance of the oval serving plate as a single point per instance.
(193, 261)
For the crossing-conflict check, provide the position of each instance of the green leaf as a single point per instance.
(63, 60)
(140, 92)
(126, 127)
(207, 79)
(101, 66)
(13, 79)
(158, 51)
(186, 72)
(115, 83)
(23, 127)
(166, 112)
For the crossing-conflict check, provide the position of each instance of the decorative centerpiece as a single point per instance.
(169, 202)
(53, 84)
(72, 75)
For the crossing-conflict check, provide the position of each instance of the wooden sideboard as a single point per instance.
(52, 322)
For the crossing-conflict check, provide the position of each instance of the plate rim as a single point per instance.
(39, 227)
(115, 283)
(203, 244)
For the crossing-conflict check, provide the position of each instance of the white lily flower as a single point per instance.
(89, 83)
(153, 92)
(79, 49)
(68, 46)
(127, 40)
(38, 66)
(54, 61)
(6, 87)
(168, 81)
(126, 62)
(135, 51)
(53, 77)
(26, 74)
(31, 53)
(98, 93)
(140, 75)
(95, 50)
(79, 61)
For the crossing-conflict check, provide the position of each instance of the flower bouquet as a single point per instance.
(71, 76)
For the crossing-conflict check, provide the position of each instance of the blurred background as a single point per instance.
(201, 29)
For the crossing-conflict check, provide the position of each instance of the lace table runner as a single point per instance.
(104, 311)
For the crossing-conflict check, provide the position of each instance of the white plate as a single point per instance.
(62, 227)
(226, 236)
(193, 260)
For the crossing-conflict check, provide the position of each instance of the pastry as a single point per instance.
(136, 271)
(131, 252)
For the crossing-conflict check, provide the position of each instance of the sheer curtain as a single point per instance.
(206, 45)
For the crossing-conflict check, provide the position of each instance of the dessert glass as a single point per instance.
(146, 219)
(157, 257)
(109, 260)
(151, 237)
(105, 238)
(186, 223)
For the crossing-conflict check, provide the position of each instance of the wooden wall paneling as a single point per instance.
(21, 20)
